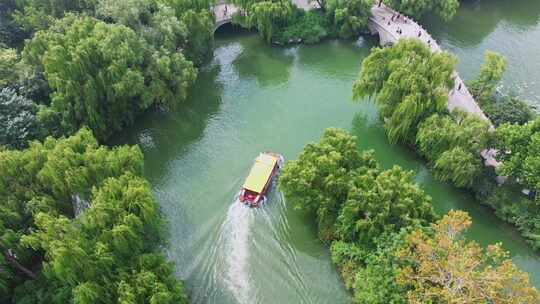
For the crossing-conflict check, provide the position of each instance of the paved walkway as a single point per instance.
(391, 30)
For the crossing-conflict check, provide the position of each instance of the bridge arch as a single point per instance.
(223, 13)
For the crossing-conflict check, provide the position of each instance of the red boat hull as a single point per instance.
(254, 199)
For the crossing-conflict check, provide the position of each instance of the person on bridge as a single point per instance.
(225, 12)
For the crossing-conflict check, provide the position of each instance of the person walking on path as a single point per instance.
(380, 2)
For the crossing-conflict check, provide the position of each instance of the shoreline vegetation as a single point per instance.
(415, 114)
(385, 238)
(73, 73)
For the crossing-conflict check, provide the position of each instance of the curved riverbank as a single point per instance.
(252, 98)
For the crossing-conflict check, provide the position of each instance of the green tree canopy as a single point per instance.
(350, 17)
(452, 144)
(35, 15)
(445, 9)
(354, 201)
(519, 152)
(103, 255)
(318, 181)
(18, 122)
(266, 15)
(410, 83)
(509, 110)
(103, 75)
(381, 203)
(491, 73)
(8, 63)
(45, 178)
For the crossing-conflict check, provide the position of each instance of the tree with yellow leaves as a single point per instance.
(443, 267)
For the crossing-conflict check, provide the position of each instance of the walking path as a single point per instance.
(391, 29)
(385, 22)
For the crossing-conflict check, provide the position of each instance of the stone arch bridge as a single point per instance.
(223, 11)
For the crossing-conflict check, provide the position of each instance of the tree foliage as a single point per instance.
(452, 143)
(375, 279)
(519, 147)
(8, 63)
(410, 83)
(11, 34)
(305, 26)
(318, 181)
(380, 224)
(265, 16)
(491, 73)
(105, 254)
(18, 121)
(350, 17)
(509, 110)
(110, 76)
(108, 243)
(441, 266)
(445, 9)
(34, 15)
(382, 202)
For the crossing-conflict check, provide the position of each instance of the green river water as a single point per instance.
(252, 98)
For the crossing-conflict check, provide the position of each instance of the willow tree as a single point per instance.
(445, 9)
(491, 73)
(410, 83)
(350, 16)
(36, 15)
(521, 156)
(18, 121)
(452, 144)
(440, 266)
(104, 256)
(380, 203)
(45, 178)
(318, 181)
(265, 16)
(103, 75)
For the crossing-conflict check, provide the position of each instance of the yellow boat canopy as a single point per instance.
(260, 173)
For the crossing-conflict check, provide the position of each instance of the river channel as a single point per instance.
(252, 98)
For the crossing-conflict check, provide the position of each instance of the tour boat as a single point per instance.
(259, 180)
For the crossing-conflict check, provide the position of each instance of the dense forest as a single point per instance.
(79, 223)
(411, 86)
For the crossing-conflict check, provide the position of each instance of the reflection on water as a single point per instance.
(253, 98)
(511, 28)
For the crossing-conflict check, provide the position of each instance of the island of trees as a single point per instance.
(72, 73)
(385, 238)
